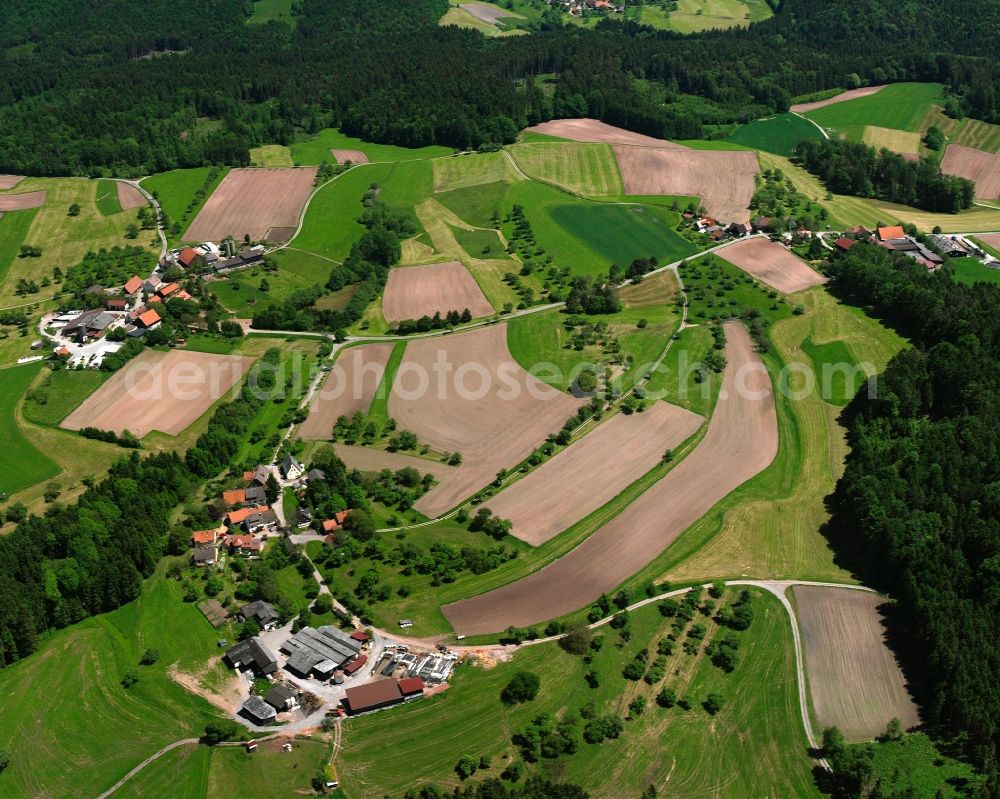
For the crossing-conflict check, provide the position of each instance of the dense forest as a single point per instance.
(855, 168)
(89, 86)
(917, 511)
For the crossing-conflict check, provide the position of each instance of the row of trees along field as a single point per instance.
(917, 511)
(854, 168)
(91, 87)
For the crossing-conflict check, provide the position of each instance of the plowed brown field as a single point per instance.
(348, 388)
(21, 202)
(253, 201)
(723, 179)
(165, 391)
(741, 441)
(129, 196)
(465, 393)
(854, 679)
(981, 168)
(9, 181)
(772, 264)
(593, 130)
(366, 459)
(591, 472)
(354, 156)
(415, 291)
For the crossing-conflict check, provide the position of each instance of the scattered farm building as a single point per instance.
(258, 711)
(319, 651)
(252, 654)
(261, 612)
(282, 698)
(205, 554)
(380, 694)
(89, 325)
(132, 285)
(291, 469)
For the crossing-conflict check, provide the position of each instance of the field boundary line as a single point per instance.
(813, 122)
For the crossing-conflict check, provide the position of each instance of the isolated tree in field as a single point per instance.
(360, 525)
(577, 641)
(713, 703)
(74, 210)
(129, 678)
(218, 731)
(894, 731)
(465, 768)
(149, 657)
(523, 687)
(666, 698)
(264, 285)
(4, 759)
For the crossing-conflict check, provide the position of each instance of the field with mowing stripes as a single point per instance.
(462, 171)
(586, 168)
(778, 134)
(981, 135)
(899, 141)
(901, 106)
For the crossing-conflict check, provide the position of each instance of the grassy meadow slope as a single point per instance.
(21, 464)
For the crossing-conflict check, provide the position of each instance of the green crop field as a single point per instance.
(621, 233)
(835, 370)
(90, 730)
(297, 270)
(585, 168)
(481, 243)
(981, 135)
(779, 134)
(471, 169)
(475, 204)
(316, 149)
(60, 393)
(21, 464)
(175, 191)
(107, 198)
(902, 106)
(754, 746)
(970, 271)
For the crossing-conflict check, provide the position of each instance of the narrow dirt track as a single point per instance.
(850, 94)
(741, 441)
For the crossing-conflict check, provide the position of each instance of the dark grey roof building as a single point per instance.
(252, 654)
(261, 612)
(282, 697)
(258, 711)
(327, 647)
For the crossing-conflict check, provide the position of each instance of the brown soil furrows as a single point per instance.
(9, 181)
(348, 389)
(980, 167)
(22, 202)
(415, 291)
(465, 393)
(251, 201)
(592, 471)
(772, 264)
(854, 679)
(741, 441)
(723, 179)
(366, 459)
(165, 391)
(129, 196)
(852, 94)
(354, 156)
(593, 130)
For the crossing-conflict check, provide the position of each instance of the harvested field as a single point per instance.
(366, 459)
(592, 471)
(854, 679)
(741, 441)
(21, 202)
(992, 239)
(129, 196)
(853, 94)
(465, 393)
(770, 263)
(164, 391)
(253, 201)
(980, 167)
(488, 13)
(9, 181)
(586, 168)
(593, 130)
(279, 235)
(354, 156)
(906, 143)
(348, 389)
(415, 291)
(723, 179)
(656, 290)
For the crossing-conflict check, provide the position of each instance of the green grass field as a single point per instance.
(481, 243)
(270, 10)
(902, 106)
(471, 169)
(14, 227)
(175, 190)
(316, 149)
(621, 233)
(297, 270)
(677, 381)
(271, 155)
(212, 344)
(379, 409)
(778, 134)
(21, 464)
(181, 773)
(584, 168)
(61, 393)
(107, 198)
(475, 204)
(90, 730)
(268, 773)
(829, 362)
(981, 135)
(753, 747)
(970, 271)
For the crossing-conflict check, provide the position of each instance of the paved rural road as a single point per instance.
(819, 127)
(159, 215)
